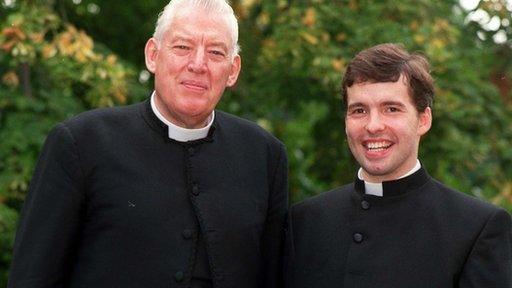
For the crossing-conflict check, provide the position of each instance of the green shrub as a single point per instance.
(8, 221)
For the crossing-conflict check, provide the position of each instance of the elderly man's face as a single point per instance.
(384, 128)
(193, 64)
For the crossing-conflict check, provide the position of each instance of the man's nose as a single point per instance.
(375, 123)
(197, 63)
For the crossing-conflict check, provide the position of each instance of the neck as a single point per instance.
(364, 175)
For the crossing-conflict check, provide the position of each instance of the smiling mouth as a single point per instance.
(377, 146)
(194, 85)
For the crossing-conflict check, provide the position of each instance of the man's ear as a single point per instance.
(425, 121)
(235, 71)
(150, 54)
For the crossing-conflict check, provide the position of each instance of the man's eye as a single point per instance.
(393, 109)
(356, 111)
(181, 47)
(217, 52)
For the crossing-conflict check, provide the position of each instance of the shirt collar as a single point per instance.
(179, 133)
(377, 188)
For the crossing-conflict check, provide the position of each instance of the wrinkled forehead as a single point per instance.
(190, 26)
(191, 16)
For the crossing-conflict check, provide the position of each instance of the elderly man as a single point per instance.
(395, 226)
(165, 193)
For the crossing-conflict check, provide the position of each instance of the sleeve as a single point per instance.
(490, 261)
(273, 234)
(50, 218)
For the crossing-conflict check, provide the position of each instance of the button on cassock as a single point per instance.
(195, 189)
(365, 205)
(358, 237)
(179, 276)
(187, 234)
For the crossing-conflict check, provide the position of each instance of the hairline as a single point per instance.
(406, 71)
(172, 11)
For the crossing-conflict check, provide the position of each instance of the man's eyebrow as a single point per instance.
(184, 38)
(356, 105)
(393, 103)
(218, 44)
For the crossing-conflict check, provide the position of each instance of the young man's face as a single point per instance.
(384, 128)
(193, 64)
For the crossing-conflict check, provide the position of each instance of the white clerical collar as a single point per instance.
(179, 133)
(376, 188)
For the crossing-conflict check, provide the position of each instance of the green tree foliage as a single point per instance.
(123, 27)
(294, 53)
(8, 220)
(300, 52)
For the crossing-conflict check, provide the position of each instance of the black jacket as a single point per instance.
(420, 234)
(115, 203)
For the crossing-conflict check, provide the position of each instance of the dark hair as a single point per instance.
(386, 63)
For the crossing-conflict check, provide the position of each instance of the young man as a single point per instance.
(395, 226)
(164, 193)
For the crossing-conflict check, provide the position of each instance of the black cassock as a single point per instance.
(419, 234)
(115, 203)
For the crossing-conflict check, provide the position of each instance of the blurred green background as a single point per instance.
(61, 57)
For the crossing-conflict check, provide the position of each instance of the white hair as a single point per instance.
(216, 7)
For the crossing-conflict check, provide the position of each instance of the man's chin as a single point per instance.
(194, 109)
(195, 118)
(377, 171)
